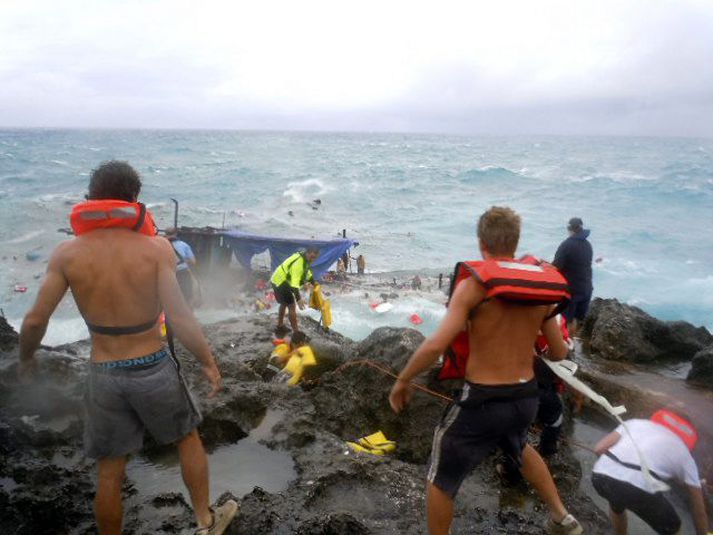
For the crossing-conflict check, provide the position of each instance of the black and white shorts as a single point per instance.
(483, 418)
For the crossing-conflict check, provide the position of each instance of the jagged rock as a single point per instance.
(333, 524)
(46, 485)
(616, 331)
(354, 402)
(8, 336)
(702, 368)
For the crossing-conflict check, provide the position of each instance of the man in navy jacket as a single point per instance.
(574, 260)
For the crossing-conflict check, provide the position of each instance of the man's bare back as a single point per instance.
(115, 275)
(122, 276)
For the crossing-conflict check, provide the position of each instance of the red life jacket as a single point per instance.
(109, 213)
(680, 426)
(526, 282)
(541, 344)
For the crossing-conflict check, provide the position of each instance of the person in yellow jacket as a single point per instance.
(287, 280)
(294, 356)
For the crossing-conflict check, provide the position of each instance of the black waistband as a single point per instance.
(120, 331)
(475, 394)
(632, 466)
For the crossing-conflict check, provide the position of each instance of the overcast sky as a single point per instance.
(639, 67)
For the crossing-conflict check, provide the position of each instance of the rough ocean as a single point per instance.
(411, 201)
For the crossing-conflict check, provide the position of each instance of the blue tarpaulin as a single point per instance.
(245, 246)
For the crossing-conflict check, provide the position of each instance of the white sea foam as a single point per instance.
(305, 190)
(59, 330)
(26, 237)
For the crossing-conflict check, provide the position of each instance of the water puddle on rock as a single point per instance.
(237, 468)
(588, 431)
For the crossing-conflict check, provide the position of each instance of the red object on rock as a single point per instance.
(415, 319)
(260, 284)
(373, 305)
(270, 297)
(20, 289)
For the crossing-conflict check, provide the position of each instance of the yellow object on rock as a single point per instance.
(358, 447)
(318, 302)
(281, 351)
(301, 358)
(376, 444)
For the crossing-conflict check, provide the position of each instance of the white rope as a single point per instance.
(565, 370)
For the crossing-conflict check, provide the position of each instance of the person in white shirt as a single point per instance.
(665, 442)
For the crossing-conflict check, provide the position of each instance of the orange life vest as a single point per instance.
(526, 281)
(109, 213)
(680, 426)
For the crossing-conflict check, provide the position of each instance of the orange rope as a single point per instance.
(386, 371)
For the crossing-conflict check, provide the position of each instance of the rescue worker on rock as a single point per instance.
(122, 276)
(665, 442)
(499, 399)
(286, 282)
(574, 259)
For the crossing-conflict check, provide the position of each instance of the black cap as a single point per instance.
(575, 224)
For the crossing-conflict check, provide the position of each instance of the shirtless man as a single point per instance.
(499, 398)
(122, 278)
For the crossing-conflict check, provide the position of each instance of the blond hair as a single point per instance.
(499, 230)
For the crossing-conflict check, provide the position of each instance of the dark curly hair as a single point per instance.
(299, 338)
(114, 180)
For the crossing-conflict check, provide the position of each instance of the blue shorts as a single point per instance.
(577, 308)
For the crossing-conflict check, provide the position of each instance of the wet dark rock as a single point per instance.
(47, 486)
(616, 331)
(260, 512)
(333, 524)
(8, 337)
(354, 402)
(702, 368)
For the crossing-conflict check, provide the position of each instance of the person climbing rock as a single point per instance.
(665, 442)
(499, 399)
(122, 276)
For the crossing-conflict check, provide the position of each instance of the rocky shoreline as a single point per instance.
(46, 485)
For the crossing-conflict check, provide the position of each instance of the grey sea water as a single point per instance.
(411, 200)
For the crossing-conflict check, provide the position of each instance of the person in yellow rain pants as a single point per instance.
(295, 360)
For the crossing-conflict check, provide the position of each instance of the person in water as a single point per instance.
(665, 442)
(574, 260)
(361, 264)
(121, 277)
(500, 397)
(287, 280)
